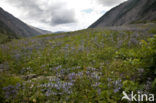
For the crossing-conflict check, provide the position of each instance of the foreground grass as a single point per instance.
(85, 66)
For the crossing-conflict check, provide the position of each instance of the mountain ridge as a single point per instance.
(15, 26)
(128, 12)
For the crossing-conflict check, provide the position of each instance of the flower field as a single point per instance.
(87, 66)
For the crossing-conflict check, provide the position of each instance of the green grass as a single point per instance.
(5, 38)
(86, 66)
(153, 30)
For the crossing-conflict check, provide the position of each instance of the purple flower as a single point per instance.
(117, 90)
(11, 91)
(72, 76)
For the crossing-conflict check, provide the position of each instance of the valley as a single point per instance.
(88, 66)
(112, 60)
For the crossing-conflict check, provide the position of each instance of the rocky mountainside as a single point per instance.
(11, 26)
(131, 11)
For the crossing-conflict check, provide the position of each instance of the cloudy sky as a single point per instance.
(59, 15)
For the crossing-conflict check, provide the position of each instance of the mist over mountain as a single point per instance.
(12, 26)
(131, 11)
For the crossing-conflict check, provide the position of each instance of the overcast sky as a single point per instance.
(59, 15)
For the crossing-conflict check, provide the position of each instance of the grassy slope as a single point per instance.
(84, 66)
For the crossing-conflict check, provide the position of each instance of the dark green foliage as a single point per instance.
(153, 30)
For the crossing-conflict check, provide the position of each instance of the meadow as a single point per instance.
(86, 66)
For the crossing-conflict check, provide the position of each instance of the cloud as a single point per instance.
(62, 16)
(58, 15)
(110, 2)
(49, 12)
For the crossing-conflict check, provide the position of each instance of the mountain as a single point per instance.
(13, 27)
(41, 31)
(131, 11)
(60, 32)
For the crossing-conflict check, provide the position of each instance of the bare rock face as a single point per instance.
(15, 27)
(131, 11)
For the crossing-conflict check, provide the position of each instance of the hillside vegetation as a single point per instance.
(87, 66)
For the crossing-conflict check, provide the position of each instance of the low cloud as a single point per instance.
(52, 13)
(110, 2)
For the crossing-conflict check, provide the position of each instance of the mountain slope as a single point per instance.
(41, 31)
(128, 12)
(11, 26)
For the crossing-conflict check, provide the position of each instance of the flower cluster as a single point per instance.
(11, 91)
